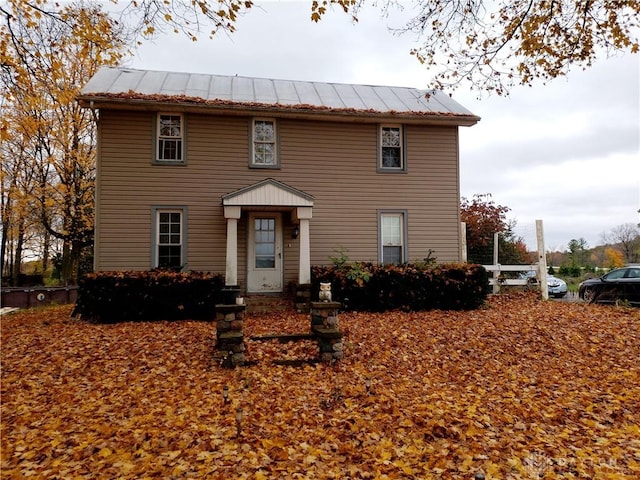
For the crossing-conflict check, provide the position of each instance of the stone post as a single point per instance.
(229, 334)
(324, 325)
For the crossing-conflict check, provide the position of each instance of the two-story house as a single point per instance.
(261, 178)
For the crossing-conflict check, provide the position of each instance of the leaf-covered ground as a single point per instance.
(519, 389)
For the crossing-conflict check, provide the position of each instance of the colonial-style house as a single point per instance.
(260, 179)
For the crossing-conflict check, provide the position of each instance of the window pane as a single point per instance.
(391, 136)
(264, 131)
(391, 234)
(263, 249)
(391, 254)
(265, 262)
(169, 256)
(170, 125)
(169, 228)
(391, 157)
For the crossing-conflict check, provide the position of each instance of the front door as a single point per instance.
(264, 253)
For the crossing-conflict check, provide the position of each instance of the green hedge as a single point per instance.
(149, 295)
(409, 287)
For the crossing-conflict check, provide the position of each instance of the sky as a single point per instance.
(566, 153)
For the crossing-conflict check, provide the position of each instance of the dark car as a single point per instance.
(622, 284)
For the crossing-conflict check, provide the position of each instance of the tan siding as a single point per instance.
(334, 162)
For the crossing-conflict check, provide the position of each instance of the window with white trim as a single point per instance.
(392, 237)
(264, 146)
(391, 148)
(170, 138)
(169, 239)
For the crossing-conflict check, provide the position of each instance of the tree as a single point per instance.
(627, 237)
(45, 62)
(492, 45)
(614, 258)
(577, 251)
(483, 219)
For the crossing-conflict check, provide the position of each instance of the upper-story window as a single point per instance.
(391, 155)
(170, 138)
(264, 143)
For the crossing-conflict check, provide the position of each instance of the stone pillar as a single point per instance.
(229, 334)
(232, 214)
(325, 326)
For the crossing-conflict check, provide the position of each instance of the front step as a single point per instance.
(267, 303)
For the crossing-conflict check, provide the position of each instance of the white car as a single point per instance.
(555, 286)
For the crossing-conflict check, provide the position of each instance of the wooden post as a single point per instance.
(542, 260)
(496, 273)
(463, 242)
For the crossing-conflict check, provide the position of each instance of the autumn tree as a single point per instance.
(484, 218)
(492, 45)
(613, 258)
(45, 62)
(627, 238)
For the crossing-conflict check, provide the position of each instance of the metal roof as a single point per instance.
(126, 84)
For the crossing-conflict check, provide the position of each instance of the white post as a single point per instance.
(496, 273)
(463, 242)
(303, 215)
(232, 214)
(542, 260)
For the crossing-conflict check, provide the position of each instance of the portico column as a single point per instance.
(304, 274)
(232, 214)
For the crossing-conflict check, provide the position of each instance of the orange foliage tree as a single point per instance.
(614, 258)
(45, 62)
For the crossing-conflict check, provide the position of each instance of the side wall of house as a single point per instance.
(334, 162)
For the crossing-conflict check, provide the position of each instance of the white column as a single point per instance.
(232, 214)
(304, 214)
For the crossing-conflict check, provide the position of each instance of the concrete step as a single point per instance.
(267, 303)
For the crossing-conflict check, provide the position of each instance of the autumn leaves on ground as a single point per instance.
(521, 388)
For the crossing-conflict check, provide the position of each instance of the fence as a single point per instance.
(26, 297)
(496, 281)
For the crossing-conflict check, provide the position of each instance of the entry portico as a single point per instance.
(265, 200)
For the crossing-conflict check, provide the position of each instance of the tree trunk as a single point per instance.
(17, 263)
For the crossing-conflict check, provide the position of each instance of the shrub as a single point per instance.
(377, 288)
(149, 295)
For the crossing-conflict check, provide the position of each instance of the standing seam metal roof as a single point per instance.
(123, 82)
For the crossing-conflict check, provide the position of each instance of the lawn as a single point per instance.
(519, 389)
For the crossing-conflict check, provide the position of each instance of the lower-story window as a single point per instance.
(169, 238)
(392, 235)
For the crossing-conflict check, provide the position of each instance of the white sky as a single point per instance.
(567, 153)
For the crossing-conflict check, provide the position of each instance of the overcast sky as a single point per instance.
(567, 153)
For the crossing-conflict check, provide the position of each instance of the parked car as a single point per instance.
(555, 286)
(621, 284)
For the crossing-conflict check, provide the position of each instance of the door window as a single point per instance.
(265, 242)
